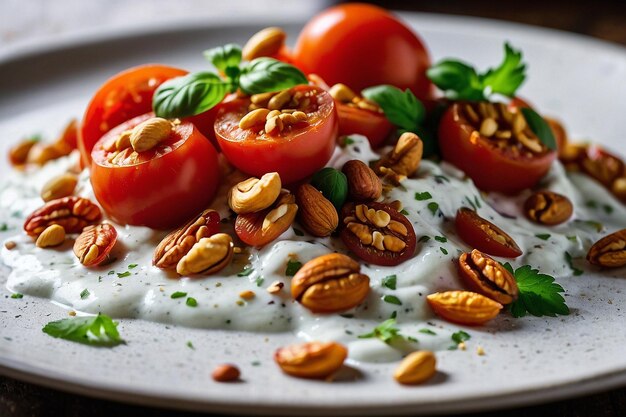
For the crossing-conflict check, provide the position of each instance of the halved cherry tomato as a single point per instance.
(122, 97)
(372, 125)
(368, 252)
(159, 188)
(494, 165)
(361, 46)
(483, 235)
(295, 153)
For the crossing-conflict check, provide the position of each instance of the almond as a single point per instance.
(60, 186)
(363, 184)
(317, 215)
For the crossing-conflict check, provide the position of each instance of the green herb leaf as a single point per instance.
(427, 331)
(123, 274)
(293, 266)
(264, 75)
(189, 95)
(403, 211)
(539, 127)
(84, 294)
(178, 294)
(402, 109)
(539, 294)
(223, 57)
(190, 345)
(245, 271)
(386, 331)
(443, 250)
(460, 336)
(259, 281)
(392, 299)
(543, 236)
(17, 295)
(333, 184)
(570, 263)
(132, 266)
(98, 330)
(191, 302)
(424, 239)
(423, 196)
(441, 239)
(4, 227)
(509, 76)
(433, 207)
(390, 282)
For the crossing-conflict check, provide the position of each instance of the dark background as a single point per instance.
(602, 19)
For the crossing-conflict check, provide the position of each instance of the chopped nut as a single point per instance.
(226, 373)
(275, 288)
(253, 119)
(247, 295)
(9, 244)
(416, 368)
(480, 351)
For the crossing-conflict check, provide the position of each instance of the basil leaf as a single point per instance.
(402, 109)
(189, 95)
(223, 57)
(333, 185)
(509, 76)
(457, 79)
(540, 127)
(264, 75)
(98, 330)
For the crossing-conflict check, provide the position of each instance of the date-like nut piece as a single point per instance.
(416, 368)
(330, 283)
(262, 227)
(94, 244)
(72, 213)
(60, 186)
(255, 194)
(488, 277)
(363, 184)
(148, 134)
(52, 236)
(177, 243)
(18, 154)
(480, 233)
(266, 42)
(207, 256)
(610, 251)
(225, 373)
(403, 160)
(549, 208)
(317, 215)
(464, 307)
(315, 360)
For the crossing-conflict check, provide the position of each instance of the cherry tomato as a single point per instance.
(483, 235)
(368, 252)
(372, 125)
(295, 153)
(159, 188)
(494, 165)
(361, 46)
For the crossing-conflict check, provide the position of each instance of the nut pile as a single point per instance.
(343, 94)
(273, 113)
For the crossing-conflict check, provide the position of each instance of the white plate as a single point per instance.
(528, 360)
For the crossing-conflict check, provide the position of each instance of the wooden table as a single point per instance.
(601, 18)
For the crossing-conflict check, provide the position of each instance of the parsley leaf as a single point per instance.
(259, 281)
(390, 282)
(17, 295)
(460, 336)
(98, 330)
(245, 271)
(427, 331)
(178, 294)
(423, 196)
(386, 331)
(543, 236)
(401, 108)
(191, 302)
(123, 274)
(509, 76)
(293, 266)
(433, 207)
(539, 294)
(570, 263)
(392, 299)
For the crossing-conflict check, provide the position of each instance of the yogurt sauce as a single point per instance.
(123, 290)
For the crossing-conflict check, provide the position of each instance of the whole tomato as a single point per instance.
(362, 45)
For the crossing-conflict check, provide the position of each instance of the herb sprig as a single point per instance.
(539, 295)
(98, 330)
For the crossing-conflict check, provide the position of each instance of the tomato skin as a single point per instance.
(361, 46)
(372, 125)
(294, 155)
(489, 168)
(166, 187)
(470, 228)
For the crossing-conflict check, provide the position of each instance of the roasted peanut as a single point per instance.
(226, 373)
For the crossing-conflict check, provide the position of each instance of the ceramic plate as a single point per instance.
(526, 361)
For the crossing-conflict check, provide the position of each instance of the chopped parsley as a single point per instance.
(460, 336)
(543, 236)
(98, 330)
(111, 273)
(123, 274)
(386, 331)
(570, 263)
(390, 282)
(190, 345)
(403, 211)
(293, 266)
(191, 302)
(433, 207)
(443, 250)
(441, 179)
(4, 227)
(427, 331)
(178, 294)
(392, 299)
(423, 196)
(132, 266)
(17, 295)
(424, 239)
(259, 281)
(348, 141)
(539, 295)
(84, 294)
(441, 239)
(246, 271)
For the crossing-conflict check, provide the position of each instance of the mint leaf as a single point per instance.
(539, 127)
(264, 75)
(189, 95)
(509, 76)
(98, 330)
(539, 294)
(402, 109)
(390, 282)
(224, 57)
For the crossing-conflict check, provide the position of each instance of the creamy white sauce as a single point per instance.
(146, 293)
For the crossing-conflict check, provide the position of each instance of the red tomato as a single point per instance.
(120, 98)
(374, 126)
(361, 46)
(295, 153)
(492, 168)
(159, 188)
(483, 235)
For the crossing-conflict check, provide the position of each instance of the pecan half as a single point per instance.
(610, 251)
(72, 213)
(314, 360)
(363, 184)
(488, 277)
(484, 235)
(547, 207)
(176, 244)
(464, 307)
(207, 256)
(94, 244)
(403, 160)
(316, 214)
(330, 283)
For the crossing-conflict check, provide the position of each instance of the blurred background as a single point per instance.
(30, 21)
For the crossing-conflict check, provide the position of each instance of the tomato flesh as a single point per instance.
(481, 234)
(374, 126)
(160, 188)
(295, 153)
